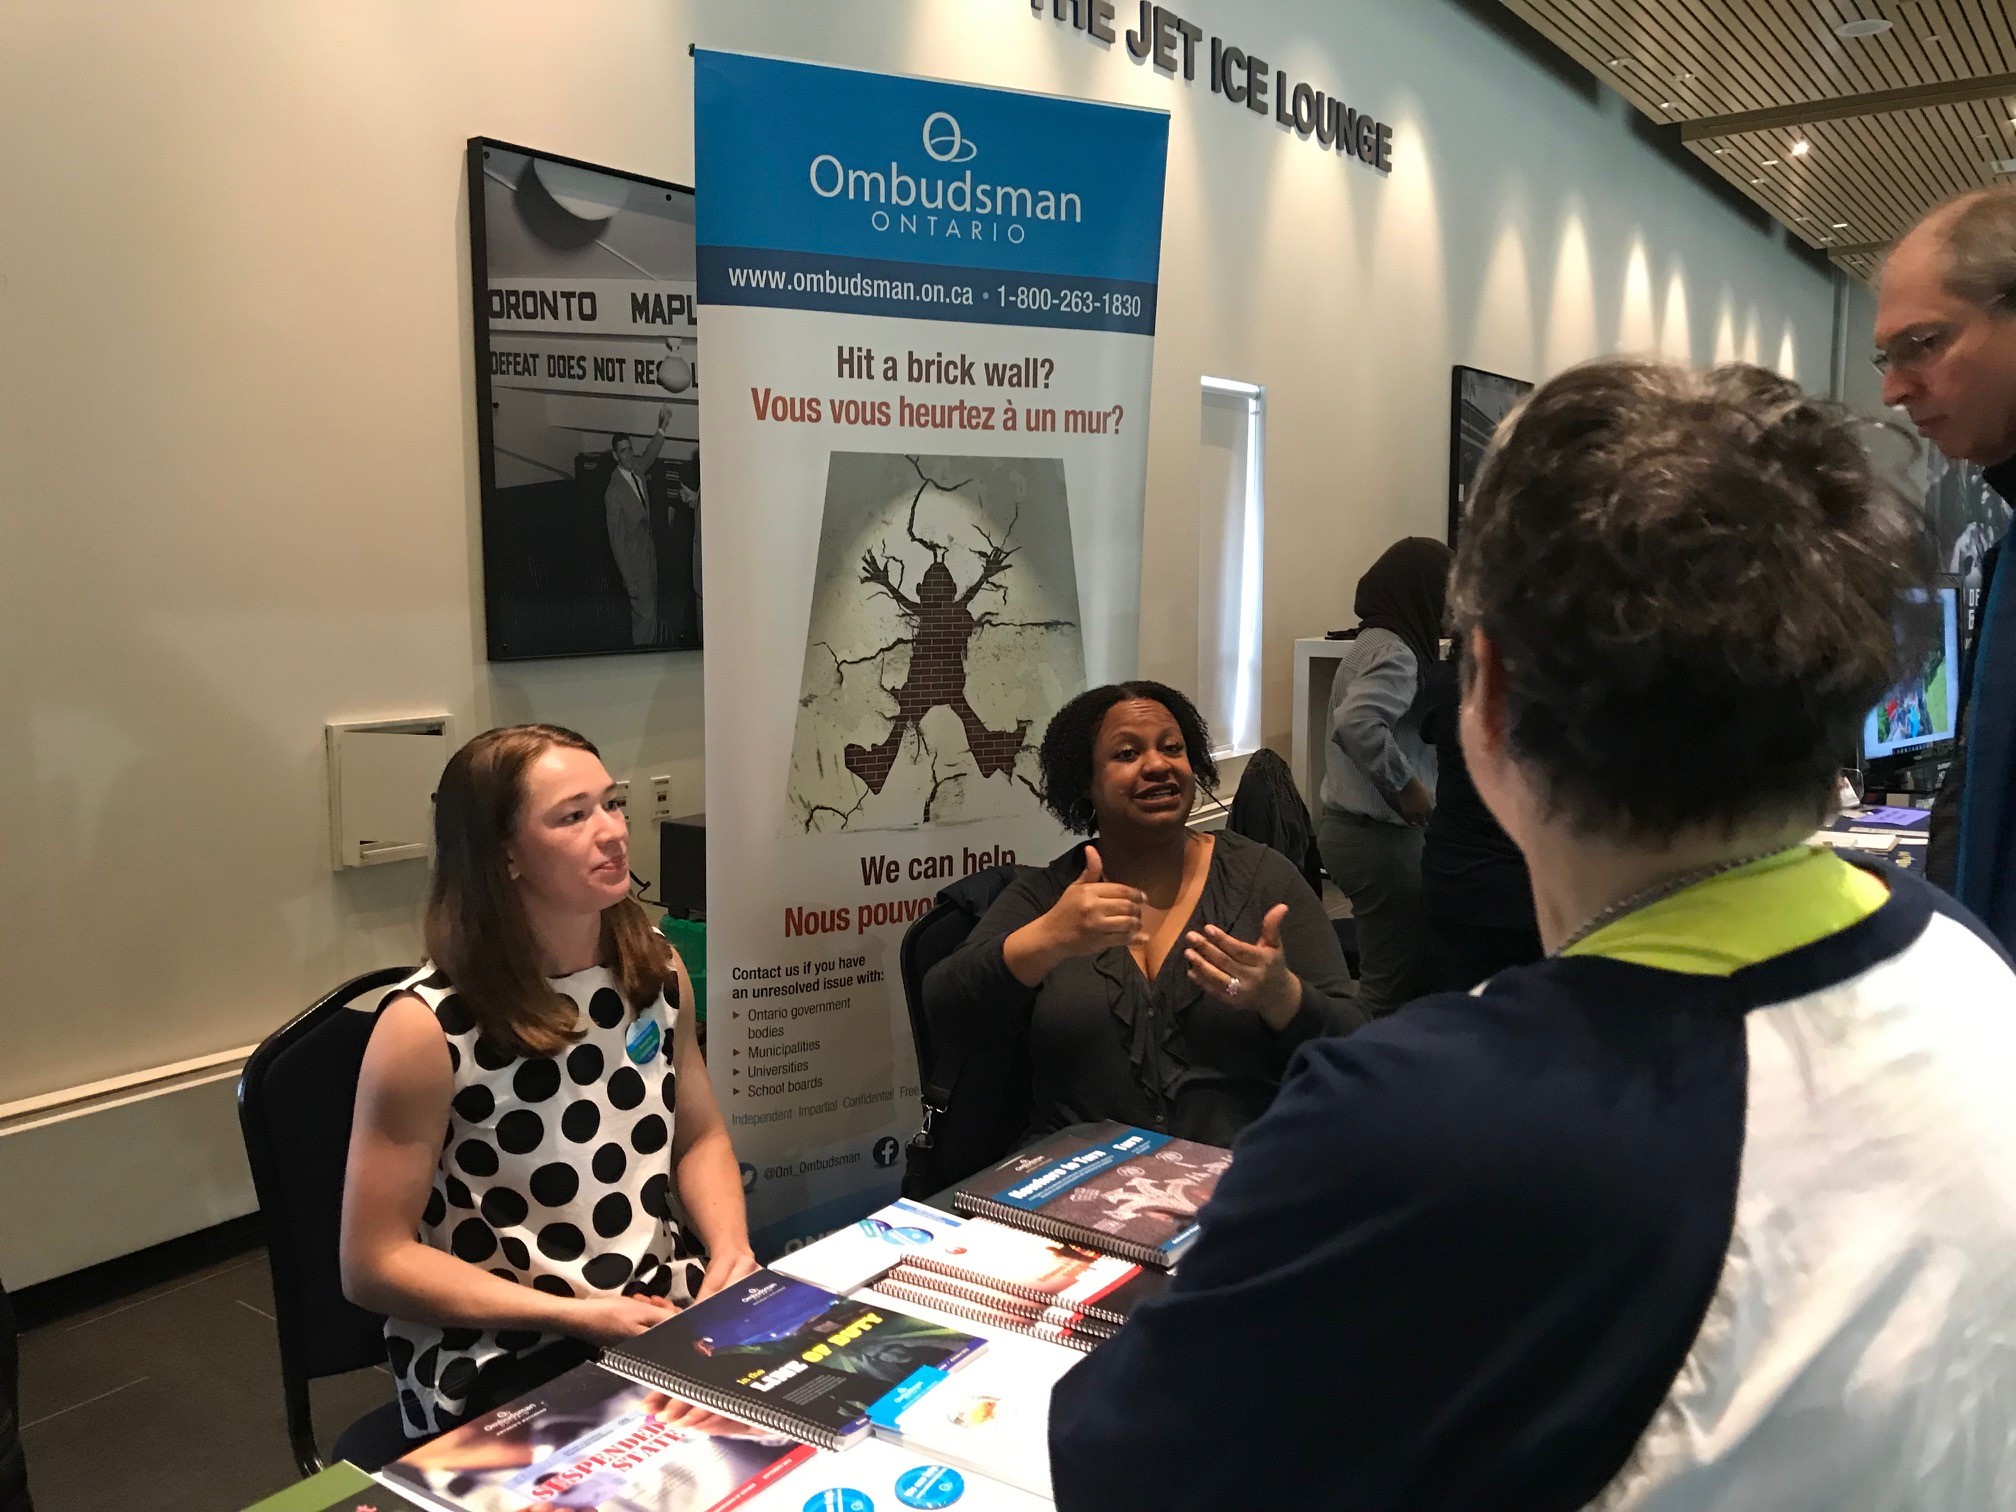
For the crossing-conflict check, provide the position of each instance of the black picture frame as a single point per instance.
(553, 584)
(1478, 400)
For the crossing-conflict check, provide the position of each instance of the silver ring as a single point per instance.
(1231, 986)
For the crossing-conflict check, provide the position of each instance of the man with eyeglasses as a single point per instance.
(1946, 346)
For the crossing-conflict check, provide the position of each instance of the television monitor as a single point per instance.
(586, 332)
(1921, 711)
(1478, 402)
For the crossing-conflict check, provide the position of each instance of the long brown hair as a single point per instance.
(476, 927)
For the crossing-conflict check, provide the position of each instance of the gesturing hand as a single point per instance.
(1094, 914)
(1247, 976)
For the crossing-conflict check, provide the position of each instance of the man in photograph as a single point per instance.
(689, 502)
(626, 505)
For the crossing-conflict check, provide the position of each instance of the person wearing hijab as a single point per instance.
(1379, 769)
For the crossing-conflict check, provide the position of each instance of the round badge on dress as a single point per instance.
(930, 1487)
(643, 1041)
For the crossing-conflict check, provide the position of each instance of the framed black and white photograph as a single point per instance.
(587, 406)
(1479, 400)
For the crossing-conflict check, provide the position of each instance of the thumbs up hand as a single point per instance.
(1091, 915)
(1240, 975)
(1094, 914)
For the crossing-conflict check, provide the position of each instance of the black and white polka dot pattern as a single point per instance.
(555, 1173)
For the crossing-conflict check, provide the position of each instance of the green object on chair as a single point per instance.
(336, 1487)
(689, 938)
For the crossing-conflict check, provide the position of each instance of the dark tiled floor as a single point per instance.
(169, 1400)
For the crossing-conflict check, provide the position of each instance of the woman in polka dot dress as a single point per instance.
(530, 1099)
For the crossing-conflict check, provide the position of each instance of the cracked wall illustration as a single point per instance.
(943, 634)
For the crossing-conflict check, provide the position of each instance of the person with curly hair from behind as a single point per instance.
(1158, 976)
(1713, 1208)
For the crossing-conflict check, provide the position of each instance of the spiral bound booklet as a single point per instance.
(794, 1357)
(938, 1284)
(1071, 1277)
(855, 1255)
(1115, 1188)
(590, 1439)
(1007, 1314)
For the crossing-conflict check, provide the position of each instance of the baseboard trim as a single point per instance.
(113, 1280)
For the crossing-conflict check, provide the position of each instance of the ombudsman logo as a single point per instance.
(944, 140)
(924, 203)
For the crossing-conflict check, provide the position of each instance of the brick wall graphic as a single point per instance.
(943, 634)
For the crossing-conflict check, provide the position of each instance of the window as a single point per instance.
(1229, 535)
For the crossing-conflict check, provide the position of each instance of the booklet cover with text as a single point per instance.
(1118, 1189)
(855, 1255)
(793, 1356)
(591, 1441)
(993, 1417)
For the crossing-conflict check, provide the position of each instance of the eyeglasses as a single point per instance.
(1911, 349)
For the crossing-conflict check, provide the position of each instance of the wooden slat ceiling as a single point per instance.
(1893, 122)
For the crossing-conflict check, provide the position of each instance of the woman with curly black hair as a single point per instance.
(1157, 976)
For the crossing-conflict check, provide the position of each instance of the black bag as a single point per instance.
(1267, 808)
(992, 1083)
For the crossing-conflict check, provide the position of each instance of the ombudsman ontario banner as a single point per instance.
(930, 312)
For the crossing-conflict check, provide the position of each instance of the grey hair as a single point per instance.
(1684, 574)
(1980, 241)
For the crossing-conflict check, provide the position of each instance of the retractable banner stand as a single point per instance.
(930, 311)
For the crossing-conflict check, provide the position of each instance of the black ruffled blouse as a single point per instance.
(1106, 1042)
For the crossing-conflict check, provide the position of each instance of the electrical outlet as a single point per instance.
(661, 797)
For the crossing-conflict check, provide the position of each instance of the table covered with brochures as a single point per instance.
(905, 1361)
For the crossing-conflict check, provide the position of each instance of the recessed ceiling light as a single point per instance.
(1756, 181)
(1875, 26)
(1840, 225)
(1802, 217)
(1768, 163)
(1799, 147)
(1665, 104)
(1720, 150)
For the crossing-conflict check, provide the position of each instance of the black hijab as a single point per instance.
(1404, 592)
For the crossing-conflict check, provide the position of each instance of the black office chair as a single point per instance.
(960, 1133)
(13, 1462)
(295, 1100)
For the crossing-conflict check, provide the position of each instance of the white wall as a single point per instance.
(238, 452)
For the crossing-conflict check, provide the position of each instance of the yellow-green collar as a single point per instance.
(1720, 926)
